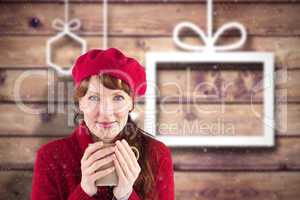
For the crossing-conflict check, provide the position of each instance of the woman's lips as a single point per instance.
(106, 124)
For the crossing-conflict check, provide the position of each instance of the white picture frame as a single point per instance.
(267, 60)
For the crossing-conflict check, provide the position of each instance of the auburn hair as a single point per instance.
(134, 135)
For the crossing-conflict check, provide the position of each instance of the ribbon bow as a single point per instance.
(71, 25)
(209, 40)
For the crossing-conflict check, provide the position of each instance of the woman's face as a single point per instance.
(105, 110)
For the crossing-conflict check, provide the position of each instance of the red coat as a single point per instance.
(57, 172)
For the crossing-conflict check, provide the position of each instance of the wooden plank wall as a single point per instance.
(139, 26)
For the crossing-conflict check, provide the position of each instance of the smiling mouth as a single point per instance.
(105, 124)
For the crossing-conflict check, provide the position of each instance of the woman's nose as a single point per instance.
(106, 107)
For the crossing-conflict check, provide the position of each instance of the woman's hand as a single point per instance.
(90, 162)
(127, 169)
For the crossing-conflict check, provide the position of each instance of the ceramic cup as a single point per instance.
(112, 178)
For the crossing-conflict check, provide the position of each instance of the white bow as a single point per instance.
(71, 25)
(209, 40)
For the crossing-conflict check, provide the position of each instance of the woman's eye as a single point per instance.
(119, 97)
(94, 98)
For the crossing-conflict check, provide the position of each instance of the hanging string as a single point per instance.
(104, 17)
(66, 11)
(209, 18)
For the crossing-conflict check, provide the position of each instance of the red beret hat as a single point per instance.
(113, 62)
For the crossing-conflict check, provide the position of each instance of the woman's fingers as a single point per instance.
(127, 156)
(99, 163)
(91, 149)
(125, 162)
(124, 166)
(101, 153)
(131, 153)
(102, 173)
(119, 170)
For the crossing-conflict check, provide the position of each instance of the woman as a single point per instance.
(106, 85)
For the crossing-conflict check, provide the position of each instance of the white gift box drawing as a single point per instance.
(210, 53)
(66, 27)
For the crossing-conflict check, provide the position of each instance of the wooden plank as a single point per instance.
(282, 157)
(40, 119)
(152, 1)
(212, 119)
(253, 17)
(173, 85)
(36, 119)
(192, 185)
(15, 184)
(24, 147)
(19, 153)
(29, 84)
(12, 54)
(241, 185)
